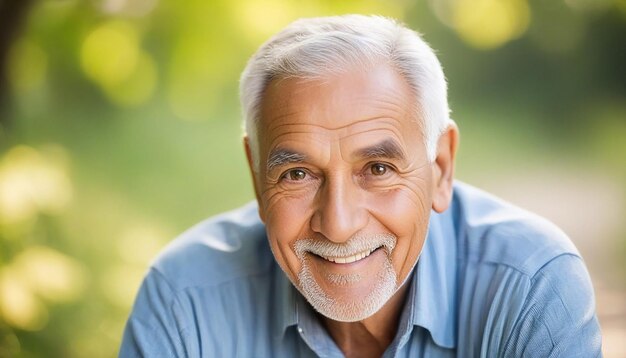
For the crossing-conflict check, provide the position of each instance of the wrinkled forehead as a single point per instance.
(337, 99)
(358, 104)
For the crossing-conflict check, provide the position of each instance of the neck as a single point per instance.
(369, 337)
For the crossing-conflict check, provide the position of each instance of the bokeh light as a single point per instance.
(491, 23)
(19, 307)
(50, 274)
(141, 243)
(30, 183)
(128, 7)
(277, 14)
(111, 56)
(110, 53)
(138, 87)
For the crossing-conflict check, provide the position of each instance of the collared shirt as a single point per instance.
(492, 281)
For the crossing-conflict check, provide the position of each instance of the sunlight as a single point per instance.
(491, 23)
(120, 283)
(260, 19)
(110, 53)
(18, 306)
(51, 274)
(138, 87)
(140, 244)
(29, 183)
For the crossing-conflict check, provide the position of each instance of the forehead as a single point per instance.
(362, 104)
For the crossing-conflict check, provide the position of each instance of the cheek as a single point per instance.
(401, 211)
(405, 213)
(286, 222)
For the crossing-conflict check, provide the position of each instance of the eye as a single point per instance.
(378, 169)
(295, 175)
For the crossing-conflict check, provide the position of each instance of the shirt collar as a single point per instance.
(432, 297)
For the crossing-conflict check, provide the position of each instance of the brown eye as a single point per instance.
(378, 169)
(297, 174)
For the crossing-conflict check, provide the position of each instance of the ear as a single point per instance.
(254, 174)
(443, 167)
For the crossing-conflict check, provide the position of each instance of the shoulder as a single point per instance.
(537, 295)
(493, 231)
(224, 248)
(558, 317)
(202, 290)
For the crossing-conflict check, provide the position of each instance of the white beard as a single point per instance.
(356, 308)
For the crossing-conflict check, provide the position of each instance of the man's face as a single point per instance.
(344, 187)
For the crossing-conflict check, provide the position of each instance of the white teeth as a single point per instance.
(349, 259)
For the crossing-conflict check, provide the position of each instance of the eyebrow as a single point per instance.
(388, 148)
(280, 156)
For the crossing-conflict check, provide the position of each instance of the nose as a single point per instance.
(340, 212)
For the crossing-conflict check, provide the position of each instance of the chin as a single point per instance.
(348, 306)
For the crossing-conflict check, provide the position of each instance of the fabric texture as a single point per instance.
(492, 281)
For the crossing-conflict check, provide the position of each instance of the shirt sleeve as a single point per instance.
(558, 318)
(152, 329)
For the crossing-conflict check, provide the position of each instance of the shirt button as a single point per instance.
(300, 330)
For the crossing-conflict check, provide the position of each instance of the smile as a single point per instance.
(349, 259)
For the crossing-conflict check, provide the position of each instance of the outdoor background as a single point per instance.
(120, 128)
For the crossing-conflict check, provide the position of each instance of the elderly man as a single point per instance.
(360, 243)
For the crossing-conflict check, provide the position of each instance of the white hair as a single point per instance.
(317, 47)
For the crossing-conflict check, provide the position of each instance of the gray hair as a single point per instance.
(317, 47)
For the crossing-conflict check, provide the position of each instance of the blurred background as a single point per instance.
(120, 128)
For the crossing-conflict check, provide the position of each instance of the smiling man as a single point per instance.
(360, 243)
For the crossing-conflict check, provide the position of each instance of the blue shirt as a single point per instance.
(492, 281)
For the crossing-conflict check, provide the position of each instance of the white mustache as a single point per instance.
(356, 244)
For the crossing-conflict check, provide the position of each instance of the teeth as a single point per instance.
(349, 259)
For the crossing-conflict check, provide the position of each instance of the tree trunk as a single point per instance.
(12, 16)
